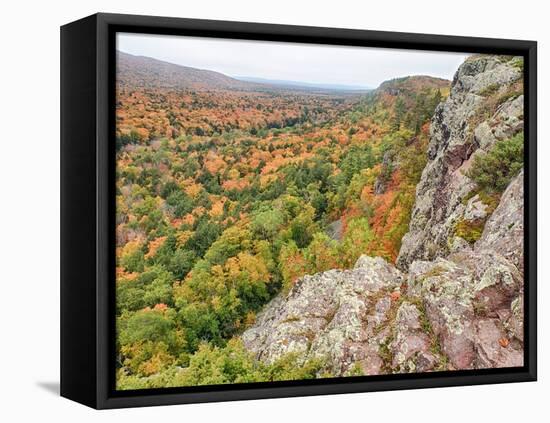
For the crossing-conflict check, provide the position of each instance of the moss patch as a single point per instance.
(470, 230)
(491, 200)
(489, 90)
(518, 63)
(291, 319)
(386, 355)
(437, 270)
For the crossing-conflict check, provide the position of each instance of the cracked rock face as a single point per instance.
(504, 229)
(456, 136)
(332, 315)
(460, 292)
(445, 288)
(410, 346)
(471, 286)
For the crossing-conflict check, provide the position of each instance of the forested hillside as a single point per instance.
(228, 195)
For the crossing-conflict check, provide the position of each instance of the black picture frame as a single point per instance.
(87, 209)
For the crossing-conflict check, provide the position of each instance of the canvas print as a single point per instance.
(295, 211)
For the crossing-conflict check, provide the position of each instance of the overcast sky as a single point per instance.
(312, 63)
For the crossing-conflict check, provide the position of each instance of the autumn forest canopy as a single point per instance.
(228, 192)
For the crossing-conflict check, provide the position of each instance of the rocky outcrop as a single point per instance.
(449, 304)
(332, 315)
(485, 106)
(464, 311)
(472, 300)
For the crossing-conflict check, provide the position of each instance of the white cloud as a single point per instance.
(311, 63)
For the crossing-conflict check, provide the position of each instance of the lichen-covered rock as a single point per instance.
(475, 209)
(481, 72)
(459, 128)
(508, 120)
(496, 283)
(410, 345)
(464, 311)
(446, 291)
(474, 297)
(462, 290)
(504, 230)
(459, 244)
(331, 315)
(514, 322)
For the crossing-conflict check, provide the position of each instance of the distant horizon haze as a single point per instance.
(314, 65)
(306, 84)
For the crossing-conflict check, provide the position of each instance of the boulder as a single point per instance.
(445, 289)
(332, 315)
(462, 290)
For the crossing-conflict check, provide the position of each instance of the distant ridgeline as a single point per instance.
(230, 192)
